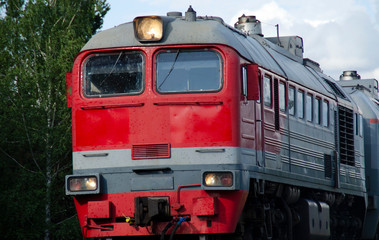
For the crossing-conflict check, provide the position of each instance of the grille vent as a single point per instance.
(346, 132)
(151, 151)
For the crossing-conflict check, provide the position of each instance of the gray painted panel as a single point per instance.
(152, 183)
(182, 156)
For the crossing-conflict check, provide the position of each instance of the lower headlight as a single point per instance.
(218, 179)
(83, 184)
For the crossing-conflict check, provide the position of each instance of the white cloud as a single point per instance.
(317, 23)
(348, 43)
(375, 72)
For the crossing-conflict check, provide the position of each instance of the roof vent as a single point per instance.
(249, 25)
(350, 75)
(190, 14)
(174, 14)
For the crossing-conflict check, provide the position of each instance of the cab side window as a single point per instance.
(309, 108)
(317, 111)
(291, 100)
(282, 96)
(300, 104)
(267, 91)
(325, 113)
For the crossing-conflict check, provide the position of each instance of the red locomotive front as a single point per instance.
(156, 133)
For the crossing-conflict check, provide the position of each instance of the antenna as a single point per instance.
(277, 34)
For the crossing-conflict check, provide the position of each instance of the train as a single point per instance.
(184, 127)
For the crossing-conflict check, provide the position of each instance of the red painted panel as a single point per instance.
(200, 125)
(111, 124)
(98, 209)
(230, 206)
(252, 82)
(205, 206)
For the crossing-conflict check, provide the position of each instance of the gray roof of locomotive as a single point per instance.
(207, 30)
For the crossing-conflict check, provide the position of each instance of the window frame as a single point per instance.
(267, 104)
(326, 112)
(282, 98)
(318, 111)
(309, 108)
(292, 111)
(300, 105)
(83, 78)
(217, 53)
(356, 122)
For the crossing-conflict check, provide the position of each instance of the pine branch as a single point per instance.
(66, 219)
(19, 164)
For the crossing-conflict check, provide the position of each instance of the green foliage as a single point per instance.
(23, 206)
(39, 40)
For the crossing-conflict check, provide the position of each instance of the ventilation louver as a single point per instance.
(145, 151)
(346, 135)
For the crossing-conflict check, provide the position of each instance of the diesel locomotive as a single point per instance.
(185, 127)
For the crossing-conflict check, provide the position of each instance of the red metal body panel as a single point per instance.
(183, 120)
(98, 209)
(209, 211)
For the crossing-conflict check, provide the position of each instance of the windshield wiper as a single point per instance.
(169, 72)
(113, 68)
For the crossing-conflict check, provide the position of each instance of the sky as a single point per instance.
(338, 34)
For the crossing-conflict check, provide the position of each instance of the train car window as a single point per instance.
(112, 74)
(267, 91)
(188, 71)
(276, 104)
(356, 123)
(309, 108)
(259, 89)
(282, 96)
(325, 113)
(317, 111)
(244, 82)
(291, 100)
(300, 104)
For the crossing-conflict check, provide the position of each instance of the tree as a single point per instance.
(39, 39)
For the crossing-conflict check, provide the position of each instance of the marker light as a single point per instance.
(148, 29)
(218, 179)
(77, 184)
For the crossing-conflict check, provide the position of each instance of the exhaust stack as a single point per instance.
(350, 75)
(249, 25)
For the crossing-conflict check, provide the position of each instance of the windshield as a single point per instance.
(112, 74)
(188, 71)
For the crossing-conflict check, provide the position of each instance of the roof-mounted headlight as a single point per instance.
(148, 29)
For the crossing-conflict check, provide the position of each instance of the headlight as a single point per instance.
(83, 184)
(218, 179)
(148, 28)
(88, 184)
